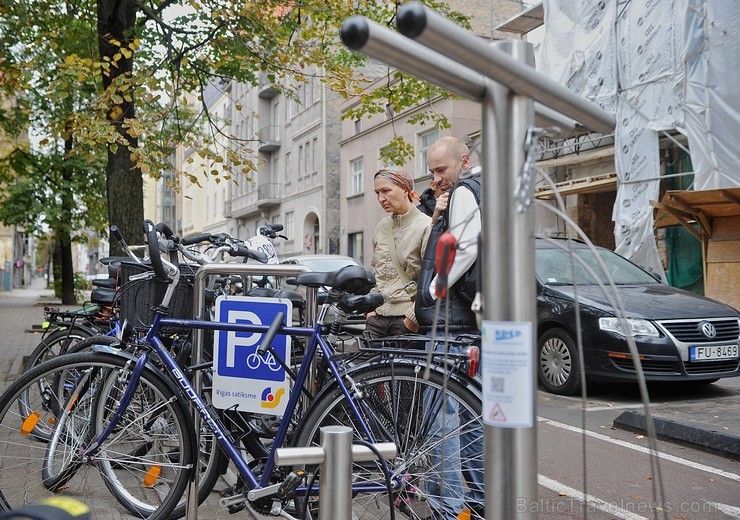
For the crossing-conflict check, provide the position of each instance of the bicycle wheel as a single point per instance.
(41, 448)
(87, 344)
(212, 460)
(436, 426)
(56, 343)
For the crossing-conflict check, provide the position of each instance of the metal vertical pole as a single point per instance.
(509, 282)
(336, 471)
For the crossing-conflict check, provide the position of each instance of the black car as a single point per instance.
(679, 336)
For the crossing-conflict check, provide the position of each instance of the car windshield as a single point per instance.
(554, 267)
(325, 265)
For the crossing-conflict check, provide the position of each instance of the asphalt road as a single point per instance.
(581, 452)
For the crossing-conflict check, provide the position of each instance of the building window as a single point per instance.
(315, 155)
(389, 111)
(289, 224)
(356, 177)
(301, 96)
(358, 126)
(288, 174)
(275, 177)
(355, 247)
(301, 164)
(317, 91)
(382, 162)
(424, 141)
(307, 160)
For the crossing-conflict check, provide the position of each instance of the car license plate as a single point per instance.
(713, 352)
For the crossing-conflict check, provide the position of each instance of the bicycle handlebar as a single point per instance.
(239, 250)
(166, 231)
(152, 242)
(270, 231)
(195, 239)
(126, 249)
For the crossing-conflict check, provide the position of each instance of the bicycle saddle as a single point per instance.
(355, 279)
(360, 304)
(102, 295)
(109, 283)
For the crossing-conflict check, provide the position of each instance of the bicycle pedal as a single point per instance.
(291, 482)
(232, 499)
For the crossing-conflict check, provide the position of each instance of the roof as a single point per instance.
(697, 207)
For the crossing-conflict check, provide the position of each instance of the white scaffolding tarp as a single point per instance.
(656, 65)
(712, 53)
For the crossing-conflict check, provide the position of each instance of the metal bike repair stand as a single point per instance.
(513, 96)
(335, 454)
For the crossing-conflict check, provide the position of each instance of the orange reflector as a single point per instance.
(73, 402)
(622, 355)
(52, 420)
(464, 515)
(30, 423)
(152, 475)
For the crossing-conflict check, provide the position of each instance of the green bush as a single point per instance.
(81, 284)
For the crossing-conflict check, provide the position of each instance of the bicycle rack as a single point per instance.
(500, 77)
(335, 454)
(201, 313)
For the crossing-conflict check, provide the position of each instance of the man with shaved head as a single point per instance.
(457, 210)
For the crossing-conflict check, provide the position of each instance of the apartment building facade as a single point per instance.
(305, 152)
(295, 142)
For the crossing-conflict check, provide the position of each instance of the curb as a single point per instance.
(698, 436)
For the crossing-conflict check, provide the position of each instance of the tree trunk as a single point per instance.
(56, 256)
(125, 186)
(63, 231)
(68, 273)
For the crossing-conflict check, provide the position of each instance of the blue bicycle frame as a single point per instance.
(173, 369)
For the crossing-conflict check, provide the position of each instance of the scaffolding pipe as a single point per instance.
(442, 35)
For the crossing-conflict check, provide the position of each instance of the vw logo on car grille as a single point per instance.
(708, 329)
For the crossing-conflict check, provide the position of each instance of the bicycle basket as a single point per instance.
(138, 298)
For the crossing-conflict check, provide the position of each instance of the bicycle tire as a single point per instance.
(213, 460)
(399, 405)
(56, 343)
(24, 457)
(87, 344)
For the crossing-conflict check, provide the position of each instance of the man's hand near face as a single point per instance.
(441, 205)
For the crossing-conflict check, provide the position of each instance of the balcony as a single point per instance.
(269, 138)
(269, 195)
(267, 89)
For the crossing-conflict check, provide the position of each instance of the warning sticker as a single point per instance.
(508, 376)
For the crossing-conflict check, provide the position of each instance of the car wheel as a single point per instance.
(558, 367)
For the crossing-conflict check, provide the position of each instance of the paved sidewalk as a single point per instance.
(20, 310)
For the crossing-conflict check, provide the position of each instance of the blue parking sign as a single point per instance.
(242, 377)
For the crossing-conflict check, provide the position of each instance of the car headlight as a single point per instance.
(625, 327)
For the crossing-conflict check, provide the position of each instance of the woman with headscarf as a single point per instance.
(398, 245)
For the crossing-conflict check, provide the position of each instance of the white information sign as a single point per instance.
(508, 377)
(241, 377)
